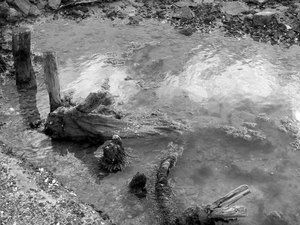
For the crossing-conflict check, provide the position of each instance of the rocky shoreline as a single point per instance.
(31, 195)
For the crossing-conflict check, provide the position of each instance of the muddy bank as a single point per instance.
(31, 195)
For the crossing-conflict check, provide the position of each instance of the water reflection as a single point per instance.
(28, 106)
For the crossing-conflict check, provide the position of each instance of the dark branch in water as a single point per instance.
(220, 210)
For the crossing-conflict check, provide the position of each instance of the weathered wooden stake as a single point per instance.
(51, 80)
(21, 43)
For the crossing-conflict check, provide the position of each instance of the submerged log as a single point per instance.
(21, 43)
(81, 123)
(51, 80)
(163, 192)
(220, 210)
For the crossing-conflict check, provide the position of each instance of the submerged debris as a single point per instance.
(137, 185)
(114, 156)
(290, 127)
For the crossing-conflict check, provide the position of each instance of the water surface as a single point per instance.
(205, 80)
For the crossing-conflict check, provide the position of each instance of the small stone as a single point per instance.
(23, 5)
(263, 18)
(187, 31)
(183, 13)
(234, 8)
(54, 4)
(34, 11)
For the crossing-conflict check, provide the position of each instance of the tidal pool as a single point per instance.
(206, 80)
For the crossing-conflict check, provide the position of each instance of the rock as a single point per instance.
(41, 4)
(183, 13)
(234, 8)
(296, 27)
(4, 10)
(34, 11)
(23, 5)
(54, 4)
(13, 16)
(187, 31)
(134, 20)
(263, 18)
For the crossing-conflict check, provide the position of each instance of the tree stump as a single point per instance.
(52, 80)
(21, 42)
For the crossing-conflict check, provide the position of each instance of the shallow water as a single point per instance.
(202, 80)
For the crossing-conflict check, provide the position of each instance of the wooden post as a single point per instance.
(51, 80)
(21, 43)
